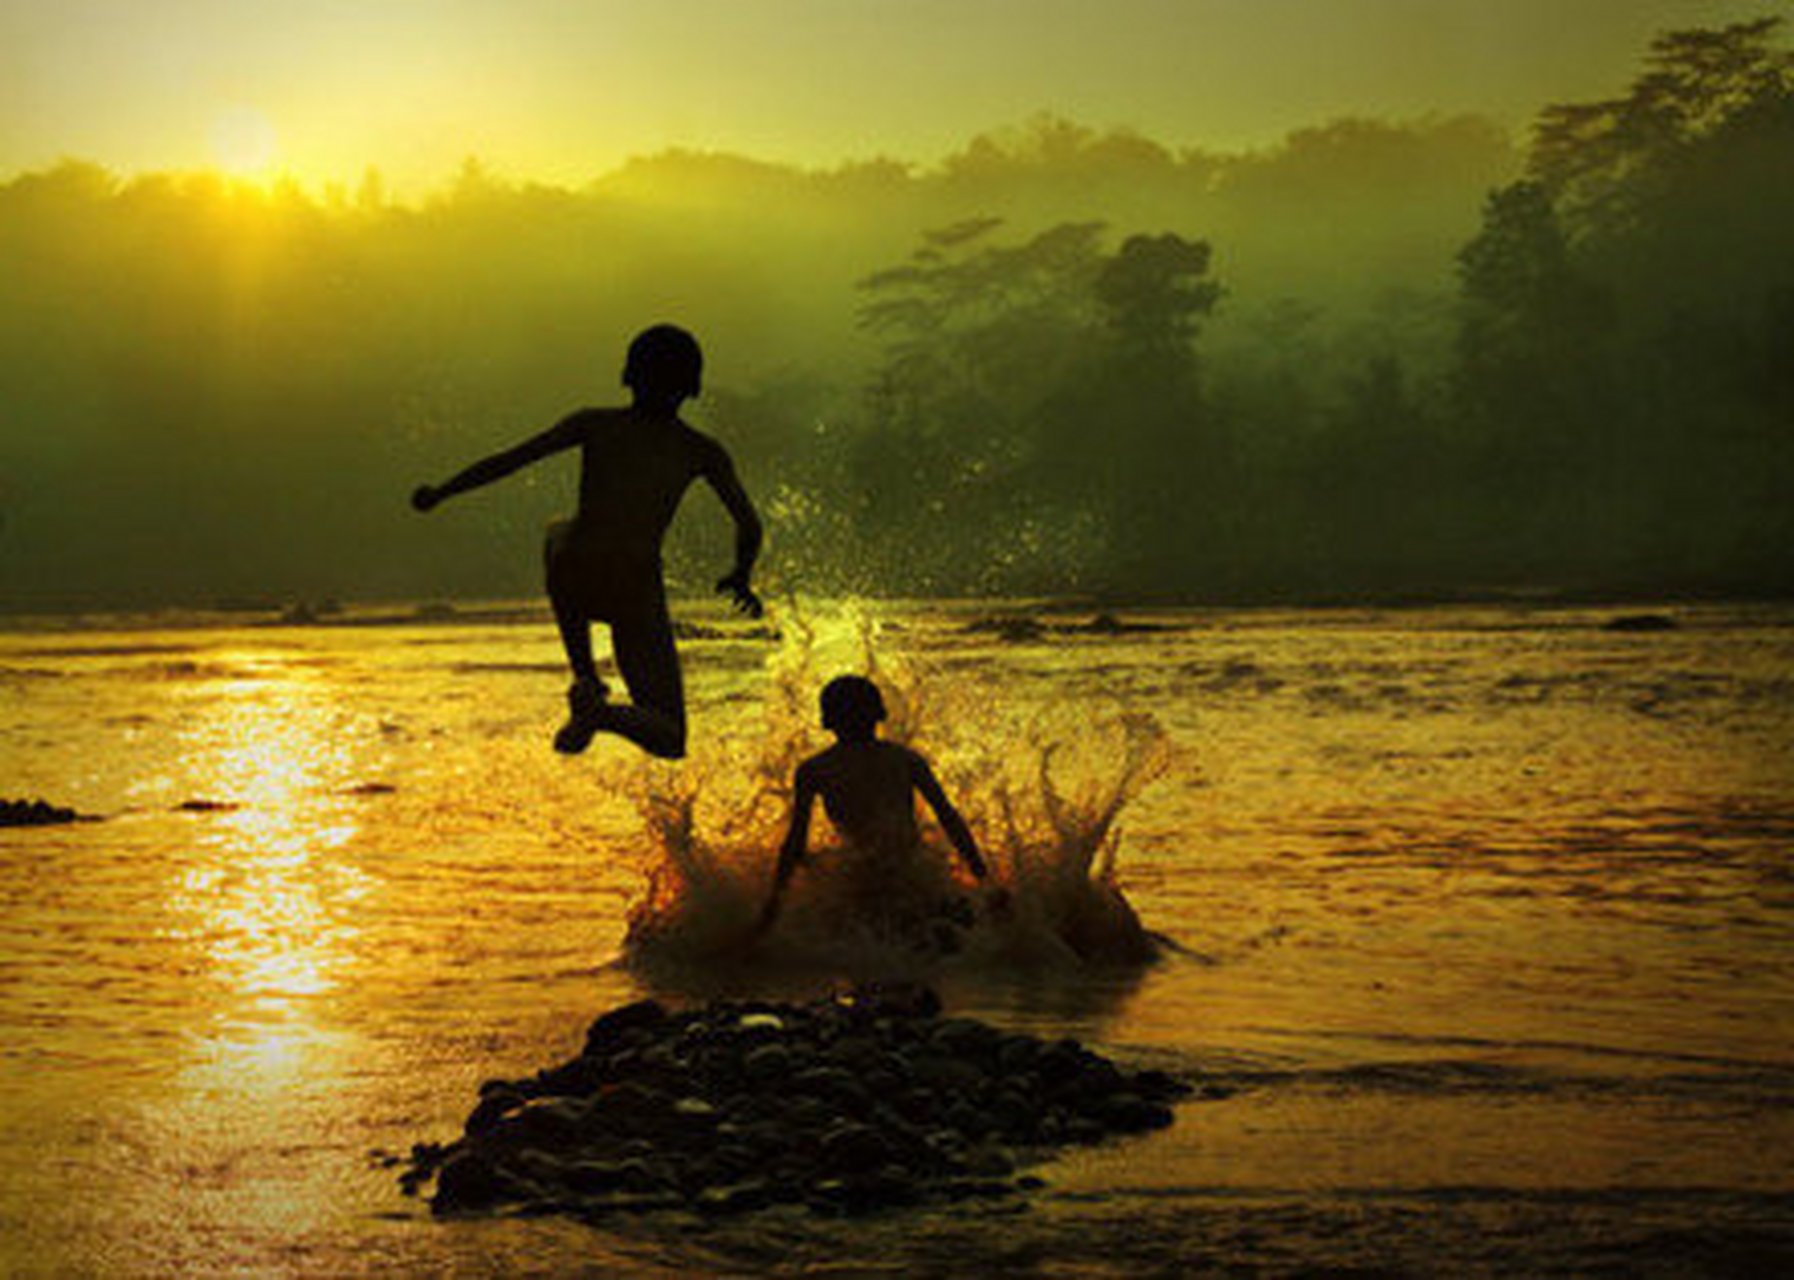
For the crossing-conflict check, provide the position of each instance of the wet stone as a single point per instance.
(1017, 1053)
(947, 1076)
(469, 1181)
(493, 1106)
(740, 1197)
(832, 1085)
(851, 1105)
(552, 1124)
(989, 1161)
(767, 1063)
(611, 1027)
(1160, 1086)
(34, 813)
(1129, 1113)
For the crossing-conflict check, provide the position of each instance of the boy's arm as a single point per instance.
(564, 434)
(791, 852)
(719, 472)
(955, 826)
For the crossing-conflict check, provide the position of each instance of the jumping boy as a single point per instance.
(603, 565)
(868, 788)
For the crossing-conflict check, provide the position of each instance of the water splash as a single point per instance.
(1043, 794)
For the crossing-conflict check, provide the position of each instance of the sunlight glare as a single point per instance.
(244, 143)
(270, 901)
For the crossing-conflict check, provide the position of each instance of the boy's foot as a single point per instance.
(585, 708)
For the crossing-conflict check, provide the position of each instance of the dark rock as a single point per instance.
(208, 806)
(1014, 1114)
(973, 1186)
(494, 1105)
(767, 1063)
(739, 1197)
(1159, 1086)
(760, 1025)
(833, 1085)
(552, 1124)
(851, 1105)
(1130, 1113)
(918, 1105)
(880, 1083)
(1640, 622)
(1082, 1129)
(599, 1177)
(34, 813)
(896, 999)
(947, 1076)
(973, 1122)
(609, 1029)
(630, 1104)
(595, 1207)
(989, 1161)
(863, 1192)
(854, 1148)
(577, 1077)
(859, 1053)
(1098, 1077)
(735, 1160)
(469, 1180)
(807, 1113)
(1058, 1065)
(966, 1039)
(1012, 630)
(1017, 1054)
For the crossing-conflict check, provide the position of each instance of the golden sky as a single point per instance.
(562, 90)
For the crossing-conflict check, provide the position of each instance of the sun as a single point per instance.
(244, 143)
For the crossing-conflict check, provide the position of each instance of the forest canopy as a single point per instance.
(1383, 359)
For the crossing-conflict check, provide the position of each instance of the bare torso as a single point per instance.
(868, 791)
(634, 470)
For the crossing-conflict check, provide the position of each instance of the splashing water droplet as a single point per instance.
(1043, 794)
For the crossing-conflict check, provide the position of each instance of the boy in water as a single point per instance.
(868, 788)
(604, 564)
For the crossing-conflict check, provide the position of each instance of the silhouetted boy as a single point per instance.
(868, 788)
(604, 564)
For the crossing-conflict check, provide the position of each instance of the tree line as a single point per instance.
(1381, 360)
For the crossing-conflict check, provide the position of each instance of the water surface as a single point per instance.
(1484, 917)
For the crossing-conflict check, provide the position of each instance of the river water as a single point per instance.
(1482, 920)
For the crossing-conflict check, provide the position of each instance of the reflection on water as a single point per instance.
(265, 895)
(1465, 896)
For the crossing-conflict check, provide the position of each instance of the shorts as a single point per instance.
(601, 584)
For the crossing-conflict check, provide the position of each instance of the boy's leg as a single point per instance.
(576, 639)
(587, 693)
(585, 698)
(654, 717)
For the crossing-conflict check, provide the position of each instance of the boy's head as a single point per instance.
(852, 707)
(664, 365)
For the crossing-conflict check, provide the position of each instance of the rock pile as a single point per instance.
(845, 1105)
(34, 813)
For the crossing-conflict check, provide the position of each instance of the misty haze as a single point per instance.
(1385, 359)
(821, 638)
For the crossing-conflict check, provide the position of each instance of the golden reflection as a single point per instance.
(266, 899)
(264, 904)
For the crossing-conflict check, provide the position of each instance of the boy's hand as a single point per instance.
(423, 498)
(736, 585)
